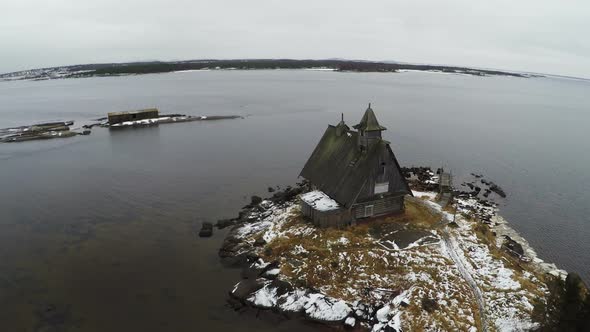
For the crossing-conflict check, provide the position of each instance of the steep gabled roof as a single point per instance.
(403, 187)
(369, 121)
(340, 169)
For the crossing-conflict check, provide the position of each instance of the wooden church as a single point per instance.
(354, 176)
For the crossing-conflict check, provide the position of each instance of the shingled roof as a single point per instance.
(369, 121)
(339, 168)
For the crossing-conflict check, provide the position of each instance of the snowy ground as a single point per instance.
(508, 288)
(450, 282)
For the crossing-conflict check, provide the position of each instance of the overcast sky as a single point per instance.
(529, 35)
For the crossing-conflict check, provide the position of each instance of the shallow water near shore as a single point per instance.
(99, 232)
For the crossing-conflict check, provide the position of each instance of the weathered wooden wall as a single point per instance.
(381, 206)
(331, 218)
(118, 117)
(389, 204)
(384, 170)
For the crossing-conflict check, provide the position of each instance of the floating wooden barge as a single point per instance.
(114, 120)
(40, 131)
(152, 117)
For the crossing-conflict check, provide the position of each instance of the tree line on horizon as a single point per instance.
(338, 65)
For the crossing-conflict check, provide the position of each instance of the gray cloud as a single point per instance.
(529, 35)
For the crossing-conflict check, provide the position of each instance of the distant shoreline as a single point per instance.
(139, 68)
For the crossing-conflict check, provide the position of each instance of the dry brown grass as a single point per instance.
(416, 215)
(322, 265)
(450, 209)
(484, 234)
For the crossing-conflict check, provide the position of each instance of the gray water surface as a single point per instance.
(97, 233)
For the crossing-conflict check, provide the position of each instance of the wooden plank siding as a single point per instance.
(331, 218)
(384, 171)
(381, 206)
(118, 117)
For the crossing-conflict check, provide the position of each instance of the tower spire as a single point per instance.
(341, 128)
(369, 122)
(369, 129)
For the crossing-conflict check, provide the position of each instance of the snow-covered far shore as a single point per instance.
(431, 269)
(433, 72)
(190, 70)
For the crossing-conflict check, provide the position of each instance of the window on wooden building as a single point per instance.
(381, 188)
(368, 210)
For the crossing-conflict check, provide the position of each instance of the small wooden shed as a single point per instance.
(119, 117)
(323, 210)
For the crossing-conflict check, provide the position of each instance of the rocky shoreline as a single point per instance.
(392, 277)
(236, 252)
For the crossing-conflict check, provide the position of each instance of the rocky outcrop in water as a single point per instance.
(206, 230)
(234, 251)
(421, 178)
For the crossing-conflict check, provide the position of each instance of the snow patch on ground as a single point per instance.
(419, 194)
(350, 321)
(323, 308)
(293, 301)
(383, 282)
(265, 297)
(272, 272)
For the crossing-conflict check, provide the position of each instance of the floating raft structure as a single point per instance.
(114, 120)
(152, 117)
(48, 130)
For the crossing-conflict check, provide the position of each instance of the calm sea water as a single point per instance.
(98, 233)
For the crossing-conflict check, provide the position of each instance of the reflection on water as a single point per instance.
(97, 233)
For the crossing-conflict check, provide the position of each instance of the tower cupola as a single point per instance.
(369, 129)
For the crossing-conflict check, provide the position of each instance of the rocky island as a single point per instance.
(443, 263)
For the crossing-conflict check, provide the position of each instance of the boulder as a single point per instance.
(245, 288)
(255, 200)
(323, 309)
(495, 188)
(259, 242)
(286, 195)
(267, 296)
(514, 248)
(257, 268)
(206, 229)
(223, 223)
(234, 252)
(282, 287)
